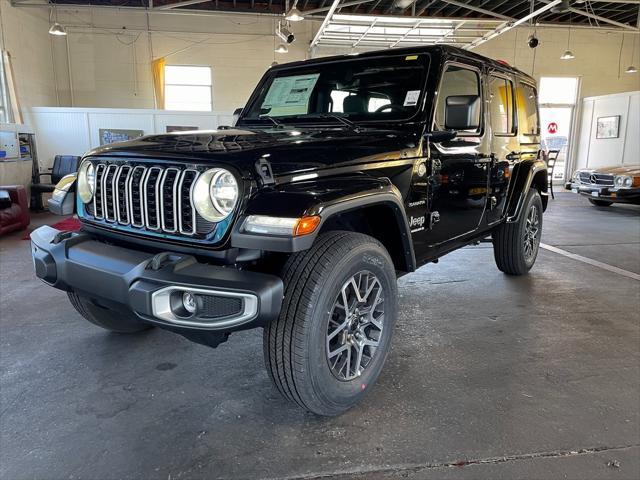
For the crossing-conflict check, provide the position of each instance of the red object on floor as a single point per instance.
(70, 224)
(16, 216)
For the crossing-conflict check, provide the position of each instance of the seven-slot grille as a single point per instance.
(603, 179)
(147, 197)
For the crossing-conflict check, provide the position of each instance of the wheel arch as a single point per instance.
(525, 175)
(373, 206)
(382, 219)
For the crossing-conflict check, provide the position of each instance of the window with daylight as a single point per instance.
(456, 80)
(5, 108)
(188, 87)
(501, 105)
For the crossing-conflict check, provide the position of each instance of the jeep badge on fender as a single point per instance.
(340, 175)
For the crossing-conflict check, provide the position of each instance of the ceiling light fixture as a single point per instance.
(282, 48)
(294, 15)
(568, 54)
(632, 68)
(57, 29)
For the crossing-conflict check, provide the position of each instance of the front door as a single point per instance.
(459, 168)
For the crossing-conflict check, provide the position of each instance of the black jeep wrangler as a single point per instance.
(340, 175)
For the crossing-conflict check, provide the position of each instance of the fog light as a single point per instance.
(189, 302)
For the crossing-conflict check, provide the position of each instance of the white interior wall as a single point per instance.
(111, 51)
(25, 36)
(74, 131)
(598, 152)
(596, 63)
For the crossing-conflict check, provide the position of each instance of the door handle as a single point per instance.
(482, 160)
(513, 156)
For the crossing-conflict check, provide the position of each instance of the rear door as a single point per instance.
(505, 147)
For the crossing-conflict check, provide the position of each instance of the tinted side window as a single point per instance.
(456, 80)
(501, 105)
(527, 103)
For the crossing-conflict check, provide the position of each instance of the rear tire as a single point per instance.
(114, 321)
(319, 354)
(515, 245)
(600, 203)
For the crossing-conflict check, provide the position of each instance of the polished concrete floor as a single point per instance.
(493, 377)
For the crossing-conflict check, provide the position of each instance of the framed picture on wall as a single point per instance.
(608, 127)
(179, 128)
(114, 135)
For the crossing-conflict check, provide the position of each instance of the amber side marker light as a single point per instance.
(306, 225)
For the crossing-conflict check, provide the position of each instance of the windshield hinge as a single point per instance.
(263, 167)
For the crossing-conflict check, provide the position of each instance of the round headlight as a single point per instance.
(215, 194)
(627, 182)
(86, 181)
(618, 181)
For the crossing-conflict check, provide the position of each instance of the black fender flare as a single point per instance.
(523, 176)
(346, 194)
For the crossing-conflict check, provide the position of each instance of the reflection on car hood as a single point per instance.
(289, 150)
(618, 170)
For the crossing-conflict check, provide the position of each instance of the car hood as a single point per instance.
(618, 170)
(288, 150)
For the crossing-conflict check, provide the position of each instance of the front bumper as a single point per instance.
(609, 194)
(149, 284)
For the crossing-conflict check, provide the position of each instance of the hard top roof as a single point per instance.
(442, 50)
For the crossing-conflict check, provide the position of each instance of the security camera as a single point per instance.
(285, 34)
(533, 41)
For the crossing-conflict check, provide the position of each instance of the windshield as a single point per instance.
(389, 88)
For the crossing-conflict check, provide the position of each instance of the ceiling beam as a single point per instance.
(425, 7)
(415, 25)
(477, 9)
(184, 3)
(506, 26)
(597, 17)
(629, 2)
(325, 22)
(352, 3)
(364, 34)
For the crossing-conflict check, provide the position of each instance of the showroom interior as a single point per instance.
(491, 374)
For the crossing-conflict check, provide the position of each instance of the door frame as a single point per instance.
(570, 159)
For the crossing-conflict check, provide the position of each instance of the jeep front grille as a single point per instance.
(153, 198)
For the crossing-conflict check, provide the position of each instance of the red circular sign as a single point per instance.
(552, 127)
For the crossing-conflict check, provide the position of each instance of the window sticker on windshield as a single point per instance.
(290, 95)
(412, 98)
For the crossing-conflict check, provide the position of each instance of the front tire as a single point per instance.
(600, 203)
(327, 348)
(516, 245)
(114, 321)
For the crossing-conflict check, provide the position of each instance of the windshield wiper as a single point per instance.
(273, 120)
(261, 119)
(341, 119)
(345, 121)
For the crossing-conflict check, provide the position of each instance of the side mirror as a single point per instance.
(462, 112)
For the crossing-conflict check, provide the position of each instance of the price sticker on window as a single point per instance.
(412, 98)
